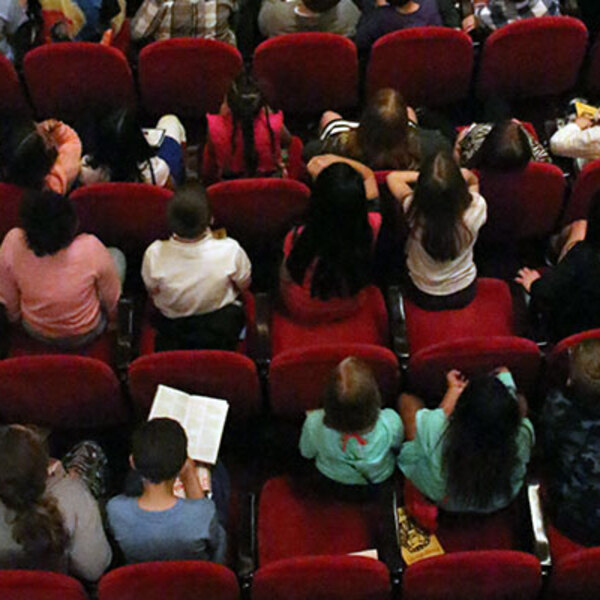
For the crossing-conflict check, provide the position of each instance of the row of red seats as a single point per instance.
(306, 72)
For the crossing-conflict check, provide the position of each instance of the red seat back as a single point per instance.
(10, 201)
(593, 74)
(429, 66)
(558, 359)
(12, 100)
(586, 185)
(492, 574)
(307, 73)
(471, 356)
(522, 204)
(71, 79)
(186, 76)
(39, 585)
(60, 391)
(216, 373)
(331, 577)
(297, 378)
(184, 580)
(576, 576)
(532, 58)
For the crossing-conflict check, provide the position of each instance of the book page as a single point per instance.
(416, 543)
(154, 136)
(204, 427)
(171, 404)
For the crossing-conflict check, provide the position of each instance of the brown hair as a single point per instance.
(352, 400)
(584, 372)
(384, 139)
(37, 524)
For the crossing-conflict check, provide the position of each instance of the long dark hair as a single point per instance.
(440, 200)
(121, 146)
(480, 447)
(246, 101)
(384, 138)
(37, 524)
(337, 235)
(505, 148)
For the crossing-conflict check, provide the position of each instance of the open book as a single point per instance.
(415, 543)
(203, 419)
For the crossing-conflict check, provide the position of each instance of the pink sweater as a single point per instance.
(59, 295)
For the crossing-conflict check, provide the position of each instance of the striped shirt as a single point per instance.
(498, 13)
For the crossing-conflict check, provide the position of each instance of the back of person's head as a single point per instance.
(440, 200)
(320, 6)
(337, 235)
(480, 448)
(584, 374)
(398, 3)
(245, 101)
(37, 524)
(120, 145)
(352, 400)
(49, 220)
(26, 156)
(384, 138)
(505, 148)
(159, 450)
(189, 212)
(592, 235)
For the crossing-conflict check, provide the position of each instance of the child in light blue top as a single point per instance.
(471, 453)
(352, 440)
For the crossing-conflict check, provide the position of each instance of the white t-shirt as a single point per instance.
(155, 166)
(193, 278)
(443, 278)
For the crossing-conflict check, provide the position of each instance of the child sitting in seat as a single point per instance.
(156, 525)
(195, 279)
(353, 441)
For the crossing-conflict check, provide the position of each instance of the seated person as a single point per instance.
(122, 152)
(246, 138)
(501, 146)
(155, 524)
(494, 14)
(387, 136)
(444, 214)
(327, 263)
(164, 19)
(293, 16)
(48, 518)
(571, 420)
(471, 453)
(44, 155)
(18, 18)
(353, 441)
(579, 139)
(568, 295)
(195, 278)
(62, 286)
(393, 15)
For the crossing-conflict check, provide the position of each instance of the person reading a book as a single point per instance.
(154, 524)
(195, 279)
(579, 139)
(471, 453)
(352, 440)
(121, 152)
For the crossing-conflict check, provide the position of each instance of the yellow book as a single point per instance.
(586, 110)
(416, 543)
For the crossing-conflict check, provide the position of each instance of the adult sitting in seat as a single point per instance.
(62, 286)
(331, 16)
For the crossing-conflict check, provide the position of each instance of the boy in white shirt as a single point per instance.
(195, 279)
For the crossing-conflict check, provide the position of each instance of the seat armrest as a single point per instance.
(247, 559)
(397, 318)
(124, 334)
(541, 544)
(262, 332)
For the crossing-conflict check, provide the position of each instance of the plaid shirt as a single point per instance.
(164, 19)
(498, 13)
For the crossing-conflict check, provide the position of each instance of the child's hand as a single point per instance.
(456, 380)
(526, 277)
(188, 469)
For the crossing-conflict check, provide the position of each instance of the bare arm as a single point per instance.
(318, 163)
(399, 183)
(471, 179)
(190, 480)
(457, 382)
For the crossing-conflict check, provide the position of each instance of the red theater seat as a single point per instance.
(39, 585)
(586, 185)
(576, 576)
(10, 201)
(12, 100)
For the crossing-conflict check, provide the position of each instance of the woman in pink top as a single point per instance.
(44, 155)
(62, 286)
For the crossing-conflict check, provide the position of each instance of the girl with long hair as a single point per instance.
(471, 453)
(48, 519)
(246, 138)
(444, 214)
(328, 261)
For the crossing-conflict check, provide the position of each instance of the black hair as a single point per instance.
(246, 101)
(398, 3)
(49, 220)
(505, 148)
(337, 236)
(592, 235)
(352, 400)
(320, 6)
(159, 449)
(480, 445)
(439, 202)
(26, 157)
(120, 146)
(189, 212)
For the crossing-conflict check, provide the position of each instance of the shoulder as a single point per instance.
(314, 418)
(526, 432)
(430, 423)
(203, 508)
(390, 418)
(15, 237)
